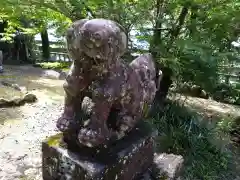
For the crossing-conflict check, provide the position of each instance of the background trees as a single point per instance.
(189, 38)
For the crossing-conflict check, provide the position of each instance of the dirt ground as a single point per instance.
(22, 129)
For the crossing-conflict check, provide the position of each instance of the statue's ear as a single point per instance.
(71, 36)
(79, 23)
(123, 40)
(74, 25)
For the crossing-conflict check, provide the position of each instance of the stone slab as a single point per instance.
(167, 166)
(127, 159)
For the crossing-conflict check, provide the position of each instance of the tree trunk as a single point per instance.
(193, 20)
(155, 46)
(45, 45)
(3, 46)
(167, 73)
(174, 33)
(165, 84)
(181, 20)
(19, 51)
(156, 40)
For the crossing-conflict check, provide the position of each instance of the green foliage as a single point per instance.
(193, 37)
(54, 65)
(237, 86)
(226, 125)
(30, 17)
(226, 93)
(180, 133)
(197, 64)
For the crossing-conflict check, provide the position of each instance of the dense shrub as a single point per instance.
(226, 93)
(180, 133)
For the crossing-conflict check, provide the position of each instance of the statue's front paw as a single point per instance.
(65, 123)
(92, 138)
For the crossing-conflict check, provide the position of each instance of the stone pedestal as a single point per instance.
(126, 159)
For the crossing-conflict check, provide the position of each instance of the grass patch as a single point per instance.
(226, 125)
(54, 65)
(179, 133)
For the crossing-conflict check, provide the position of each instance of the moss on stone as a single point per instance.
(55, 140)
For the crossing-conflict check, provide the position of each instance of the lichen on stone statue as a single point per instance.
(98, 72)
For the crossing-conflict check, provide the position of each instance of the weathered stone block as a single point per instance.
(167, 166)
(126, 159)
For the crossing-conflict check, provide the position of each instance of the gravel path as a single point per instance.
(20, 141)
(25, 127)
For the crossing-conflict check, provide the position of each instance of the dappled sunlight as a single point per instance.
(49, 82)
(218, 109)
(32, 78)
(28, 70)
(47, 95)
(50, 87)
(44, 88)
(18, 113)
(21, 71)
(8, 93)
(209, 107)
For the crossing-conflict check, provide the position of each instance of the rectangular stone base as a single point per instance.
(127, 159)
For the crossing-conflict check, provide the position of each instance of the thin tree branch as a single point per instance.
(89, 10)
(181, 19)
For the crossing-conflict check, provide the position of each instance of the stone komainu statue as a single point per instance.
(99, 73)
